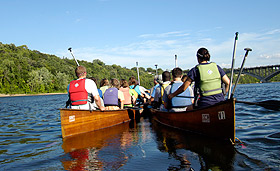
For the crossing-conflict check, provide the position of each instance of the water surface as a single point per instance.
(30, 139)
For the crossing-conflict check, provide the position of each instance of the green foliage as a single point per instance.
(29, 71)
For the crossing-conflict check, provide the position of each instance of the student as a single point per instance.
(82, 90)
(208, 78)
(113, 96)
(133, 84)
(160, 90)
(129, 94)
(104, 84)
(183, 101)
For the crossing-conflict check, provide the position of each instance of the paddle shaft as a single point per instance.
(232, 64)
(70, 49)
(241, 69)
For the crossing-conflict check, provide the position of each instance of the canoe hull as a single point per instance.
(215, 121)
(75, 121)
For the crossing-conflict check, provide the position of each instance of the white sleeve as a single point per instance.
(91, 87)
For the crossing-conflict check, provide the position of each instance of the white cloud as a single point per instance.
(160, 49)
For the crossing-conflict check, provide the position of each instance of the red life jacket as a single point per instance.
(77, 92)
(127, 96)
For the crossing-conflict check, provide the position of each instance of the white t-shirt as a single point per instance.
(90, 87)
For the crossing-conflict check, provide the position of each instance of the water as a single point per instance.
(30, 139)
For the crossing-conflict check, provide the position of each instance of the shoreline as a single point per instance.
(17, 95)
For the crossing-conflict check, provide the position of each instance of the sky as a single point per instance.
(150, 32)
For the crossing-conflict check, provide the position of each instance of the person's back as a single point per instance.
(182, 101)
(83, 92)
(160, 90)
(112, 96)
(208, 78)
(127, 92)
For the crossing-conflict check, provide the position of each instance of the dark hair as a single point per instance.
(124, 83)
(166, 76)
(203, 54)
(132, 81)
(177, 72)
(104, 82)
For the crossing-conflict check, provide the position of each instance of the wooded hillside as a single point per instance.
(25, 71)
(29, 71)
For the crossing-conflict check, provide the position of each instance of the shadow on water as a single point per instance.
(211, 153)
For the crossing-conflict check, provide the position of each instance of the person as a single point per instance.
(113, 96)
(157, 82)
(133, 84)
(129, 94)
(208, 78)
(183, 101)
(145, 92)
(160, 90)
(82, 91)
(104, 85)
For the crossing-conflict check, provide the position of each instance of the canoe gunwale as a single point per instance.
(220, 123)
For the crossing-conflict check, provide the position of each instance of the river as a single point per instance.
(30, 139)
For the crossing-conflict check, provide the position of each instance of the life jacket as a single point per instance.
(181, 100)
(162, 87)
(210, 79)
(111, 97)
(127, 96)
(77, 92)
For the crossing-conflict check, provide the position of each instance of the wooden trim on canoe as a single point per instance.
(215, 121)
(77, 121)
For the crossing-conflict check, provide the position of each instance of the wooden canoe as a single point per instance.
(76, 121)
(214, 121)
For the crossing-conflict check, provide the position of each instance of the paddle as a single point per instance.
(232, 64)
(269, 104)
(70, 49)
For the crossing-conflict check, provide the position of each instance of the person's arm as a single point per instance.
(98, 102)
(181, 89)
(226, 80)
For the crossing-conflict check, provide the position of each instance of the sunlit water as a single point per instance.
(30, 139)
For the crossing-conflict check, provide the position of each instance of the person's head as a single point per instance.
(132, 81)
(166, 76)
(80, 71)
(115, 83)
(124, 83)
(104, 82)
(202, 55)
(177, 73)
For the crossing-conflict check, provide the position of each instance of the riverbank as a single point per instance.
(14, 95)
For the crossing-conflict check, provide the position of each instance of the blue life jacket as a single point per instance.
(111, 97)
(181, 100)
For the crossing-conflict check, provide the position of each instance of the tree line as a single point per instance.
(30, 72)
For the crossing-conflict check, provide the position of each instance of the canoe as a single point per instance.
(77, 121)
(214, 121)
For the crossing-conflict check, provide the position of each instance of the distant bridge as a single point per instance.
(263, 73)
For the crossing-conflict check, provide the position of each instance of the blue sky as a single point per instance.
(149, 32)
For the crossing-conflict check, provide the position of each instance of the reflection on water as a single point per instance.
(30, 139)
(187, 147)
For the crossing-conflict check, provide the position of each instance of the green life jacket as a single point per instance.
(210, 79)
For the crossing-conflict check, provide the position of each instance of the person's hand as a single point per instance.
(170, 96)
(102, 108)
